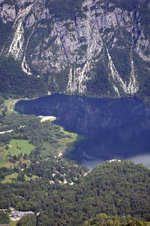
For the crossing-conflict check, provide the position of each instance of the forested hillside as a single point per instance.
(103, 219)
(14, 82)
(114, 188)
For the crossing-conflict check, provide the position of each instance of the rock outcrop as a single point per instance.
(88, 47)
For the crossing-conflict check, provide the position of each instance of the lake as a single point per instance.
(116, 128)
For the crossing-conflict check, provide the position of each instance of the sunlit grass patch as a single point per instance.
(13, 154)
(17, 147)
(10, 178)
(30, 178)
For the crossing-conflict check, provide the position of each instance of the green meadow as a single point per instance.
(30, 178)
(10, 178)
(15, 147)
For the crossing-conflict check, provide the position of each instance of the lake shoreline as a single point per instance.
(114, 128)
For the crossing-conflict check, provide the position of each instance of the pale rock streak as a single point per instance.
(128, 88)
(16, 47)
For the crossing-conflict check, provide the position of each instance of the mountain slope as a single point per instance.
(89, 47)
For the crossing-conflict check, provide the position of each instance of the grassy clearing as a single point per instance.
(30, 178)
(15, 148)
(10, 178)
(7, 164)
(9, 104)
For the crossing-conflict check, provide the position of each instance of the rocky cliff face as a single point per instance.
(92, 47)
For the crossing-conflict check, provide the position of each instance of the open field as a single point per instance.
(16, 147)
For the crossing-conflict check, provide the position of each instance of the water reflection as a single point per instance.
(113, 128)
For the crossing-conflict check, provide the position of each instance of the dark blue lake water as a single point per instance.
(113, 128)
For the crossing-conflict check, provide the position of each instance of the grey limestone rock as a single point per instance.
(78, 50)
